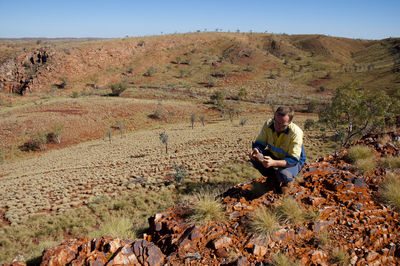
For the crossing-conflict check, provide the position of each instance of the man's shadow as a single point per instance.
(251, 190)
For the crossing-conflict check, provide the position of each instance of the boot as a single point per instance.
(286, 187)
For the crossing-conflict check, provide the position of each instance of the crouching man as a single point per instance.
(278, 151)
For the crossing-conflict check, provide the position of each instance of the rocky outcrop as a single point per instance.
(348, 206)
(104, 251)
(17, 75)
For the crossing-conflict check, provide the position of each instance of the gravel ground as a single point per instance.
(61, 179)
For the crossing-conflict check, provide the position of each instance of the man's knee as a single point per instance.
(284, 175)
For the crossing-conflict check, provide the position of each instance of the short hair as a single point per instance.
(285, 110)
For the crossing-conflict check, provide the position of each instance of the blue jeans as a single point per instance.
(284, 175)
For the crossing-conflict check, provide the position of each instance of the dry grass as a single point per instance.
(323, 238)
(390, 190)
(206, 209)
(281, 259)
(263, 222)
(116, 226)
(391, 162)
(340, 257)
(362, 157)
(358, 152)
(291, 211)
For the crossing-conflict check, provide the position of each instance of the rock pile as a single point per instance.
(350, 213)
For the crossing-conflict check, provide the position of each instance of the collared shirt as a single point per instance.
(288, 145)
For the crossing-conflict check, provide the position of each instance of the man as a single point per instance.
(278, 151)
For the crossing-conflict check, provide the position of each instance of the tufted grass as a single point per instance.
(390, 190)
(340, 257)
(391, 162)
(263, 222)
(206, 209)
(116, 226)
(291, 211)
(362, 157)
(281, 259)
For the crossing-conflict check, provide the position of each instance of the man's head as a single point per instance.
(282, 118)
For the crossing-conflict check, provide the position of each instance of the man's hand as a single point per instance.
(256, 155)
(268, 162)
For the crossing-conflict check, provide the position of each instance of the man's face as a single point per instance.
(281, 122)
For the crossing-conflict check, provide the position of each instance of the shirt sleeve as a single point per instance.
(295, 147)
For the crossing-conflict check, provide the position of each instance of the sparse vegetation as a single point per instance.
(281, 259)
(391, 162)
(164, 140)
(263, 222)
(206, 209)
(192, 119)
(309, 124)
(202, 119)
(291, 211)
(118, 88)
(362, 157)
(150, 72)
(109, 134)
(116, 226)
(390, 190)
(243, 121)
(340, 257)
(356, 111)
(180, 173)
(37, 142)
(55, 133)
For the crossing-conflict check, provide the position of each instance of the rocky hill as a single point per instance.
(197, 60)
(347, 209)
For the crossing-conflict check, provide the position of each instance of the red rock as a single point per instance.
(222, 242)
(371, 256)
(222, 253)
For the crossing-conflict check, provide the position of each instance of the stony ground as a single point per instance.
(62, 179)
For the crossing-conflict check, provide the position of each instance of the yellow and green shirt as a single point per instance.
(288, 145)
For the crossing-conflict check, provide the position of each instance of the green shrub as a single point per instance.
(75, 94)
(149, 72)
(180, 173)
(55, 133)
(158, 114)
(206, 209)
(118, 88)
(37, 142)
(263, 222)
(309, 123)
(390, 190)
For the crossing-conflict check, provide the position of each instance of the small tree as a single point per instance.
(55, 133)
(192, 119)
(243, 121)
(164, 140)
(354, 112)
(180, 173)
(120, 127)
(109, 132)
(202, 119)
(150, 72)
(118, 88)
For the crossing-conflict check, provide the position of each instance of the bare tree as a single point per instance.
(192, 119)
(164, 140)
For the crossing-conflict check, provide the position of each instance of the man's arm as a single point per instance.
(269, 162)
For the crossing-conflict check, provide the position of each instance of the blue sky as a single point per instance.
(366, 19)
